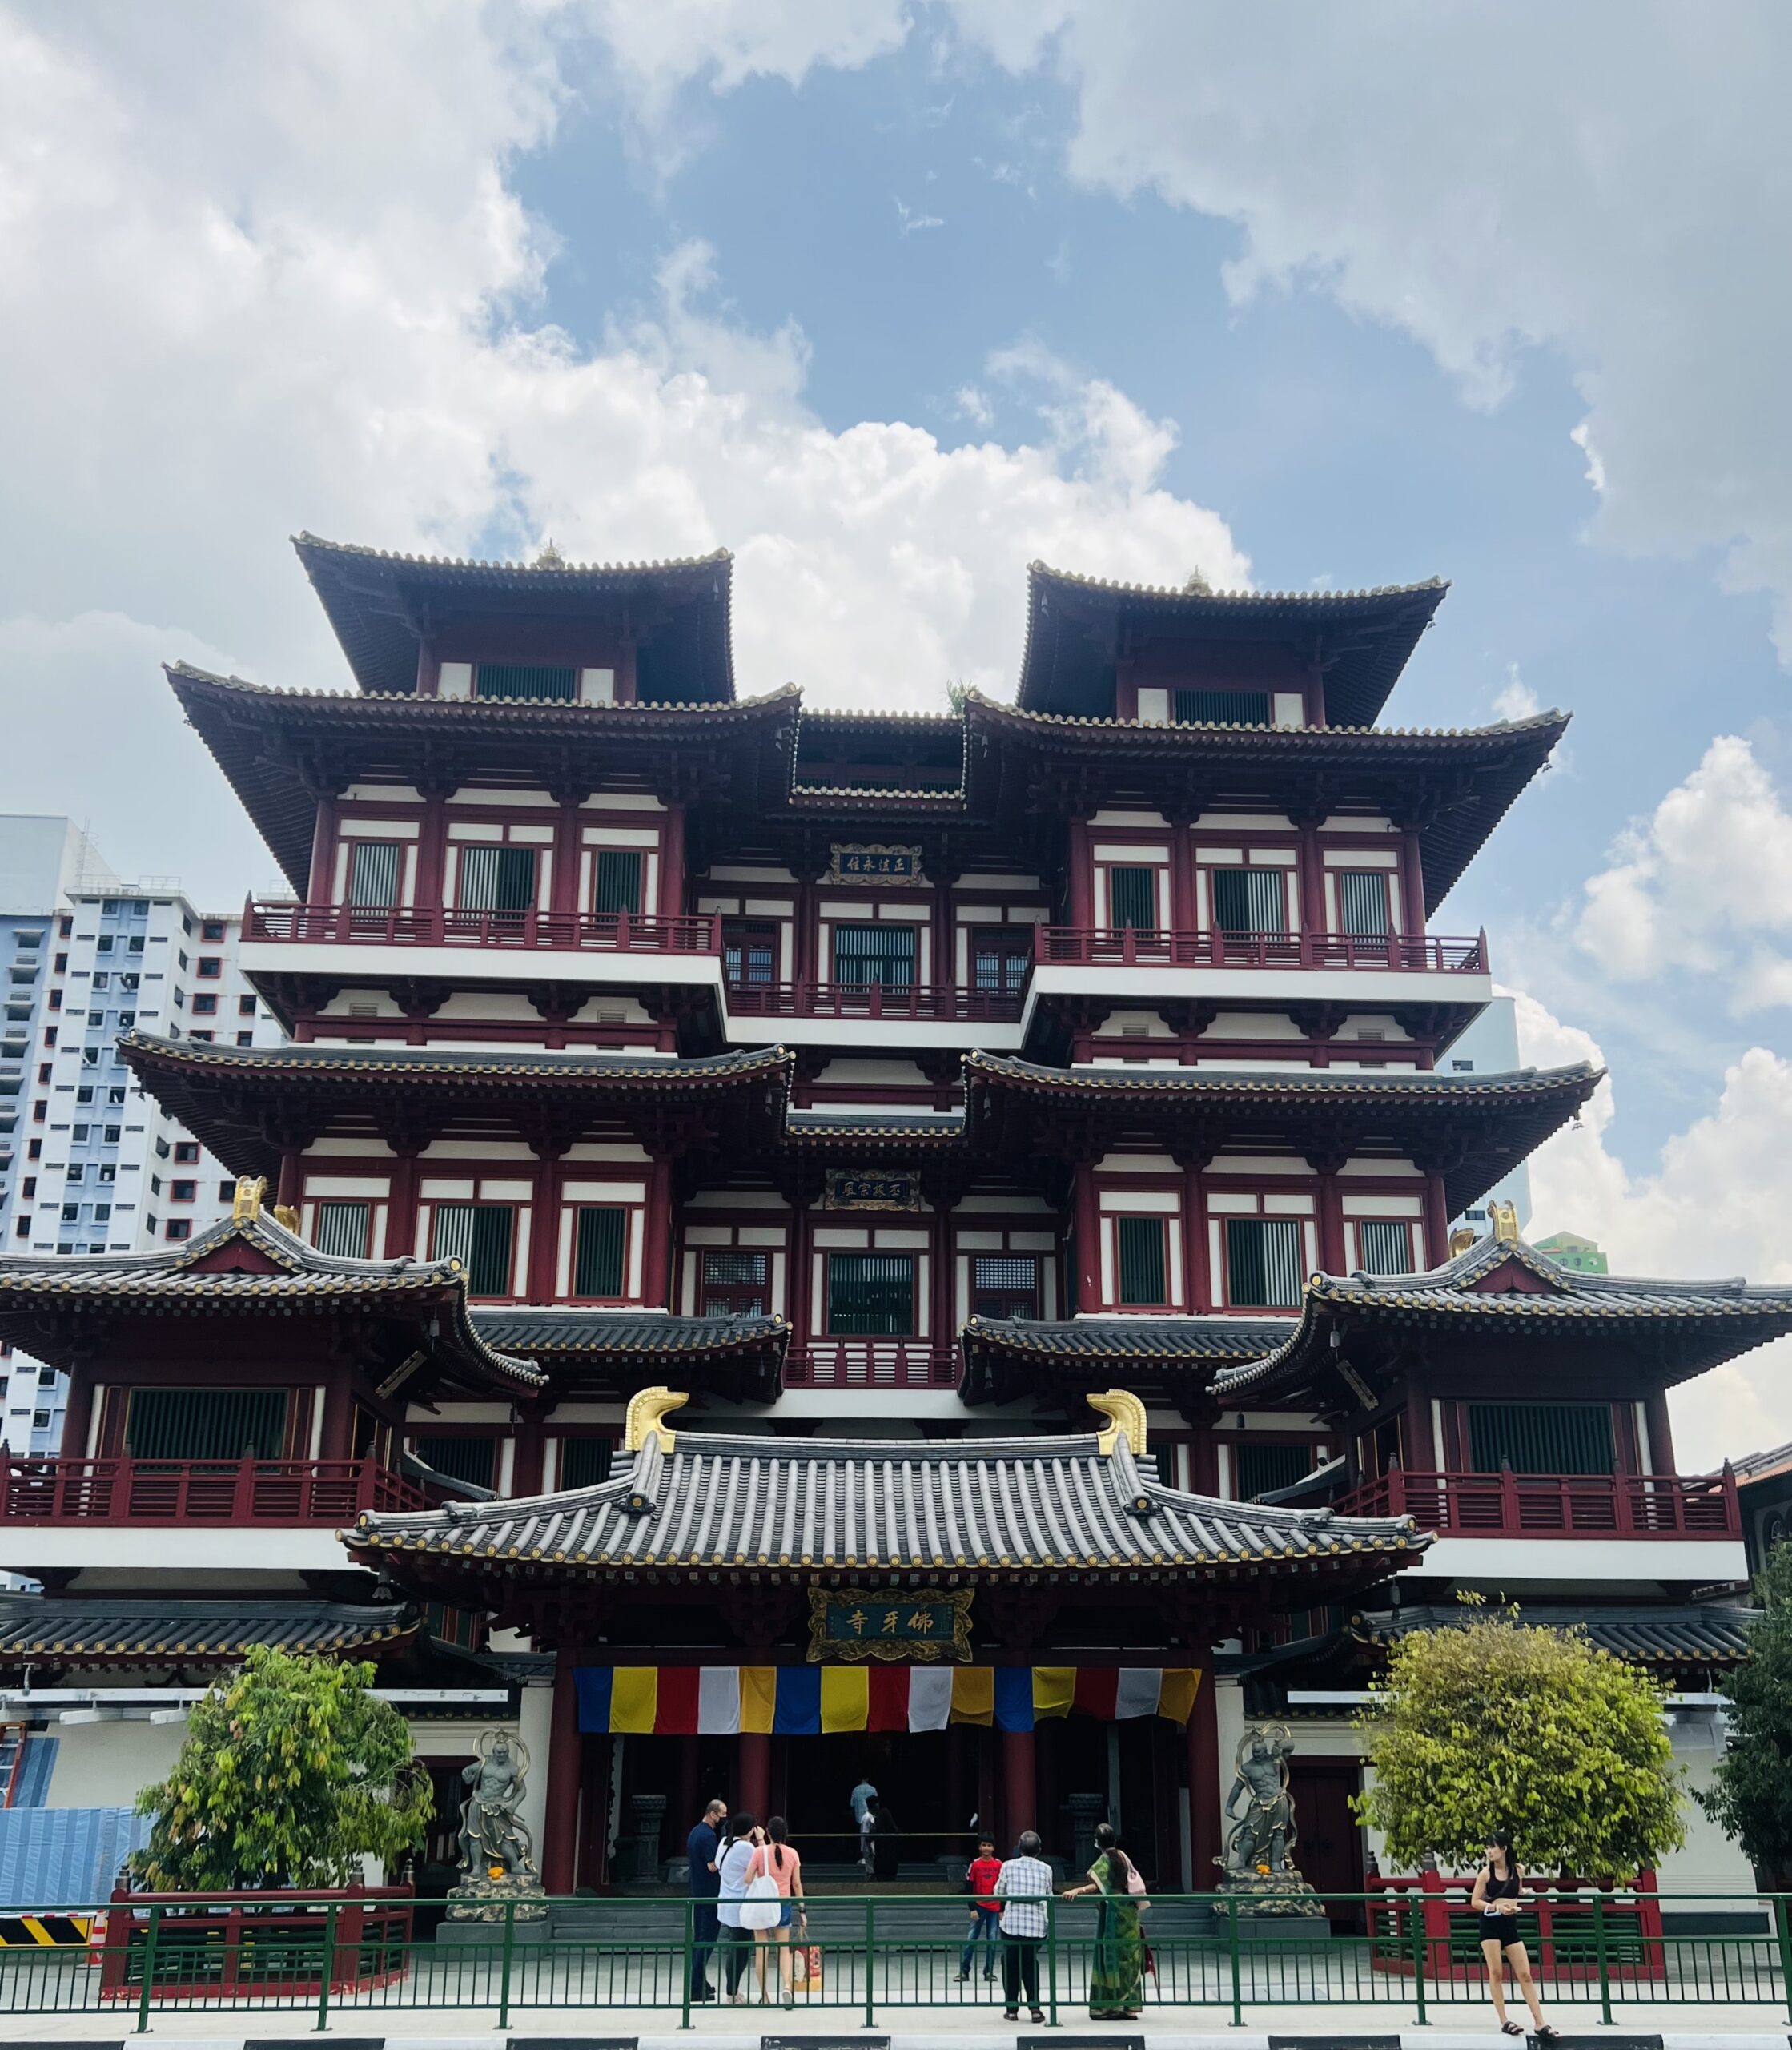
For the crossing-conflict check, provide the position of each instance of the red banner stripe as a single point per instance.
(1098, 1688)
(675, 1709)
(887, 1707)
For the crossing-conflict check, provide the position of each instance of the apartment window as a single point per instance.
(46, 1376)
(1249, 899)
(599, 1251)
(35, 1150)
(127, 1019)
(40, 1420)
(245, 1006)
(84, 1094)
(205, 1423)
(479, 1235)
(107, 1171)
(531, 680)
(1260, 1469)
(115, 1094)
(180, 997)
(1144, 1270)
(104, 944)
(871, 1295)
(1263, 1263)
(78, 1172)
(1541, 1437)
(245, 1039)
(736, 1284)
(71, 1213)
(29, 1187)
(749, 952)
(102, 979)
(497, 879)
(1000, 958)
(180, 955)
(1004, 1285)
(343, 1229)
(40, 1110)
(1222, 708)
(205, 1003)
(1132, 899)
(55, 1000)
(186, 1152)
(206, 1037)
(49, 1036)
(227, 1192)
(618, 882)
(472, 1460)
(881, 955)
(22, 1229)
(212, 929)
(1362, 903)
(135, 945)
(585, 1462)
(211, 967)
(64, 928)
(79, 1134)
(373, 872)
(1382, 1248)
(155, 1184)
(103, 1212)
(179, 1227)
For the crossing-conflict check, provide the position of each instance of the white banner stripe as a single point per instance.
(718, 1702)
(1138, 1690)
(930, 1697)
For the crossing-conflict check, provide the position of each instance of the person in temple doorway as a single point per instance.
(703, 1849)
(886, 1857)
(863, 1796)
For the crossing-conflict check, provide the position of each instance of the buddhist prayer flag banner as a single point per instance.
(814, 1701)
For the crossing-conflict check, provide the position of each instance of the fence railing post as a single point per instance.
(151, 1937)
(509, 1948)
(1232, 1940)
(1599, 1953)
(1421, 1917)
(1782, 1923)
(1051, 1957)
(329, 1966)
(690, 1940)
(870, 1954)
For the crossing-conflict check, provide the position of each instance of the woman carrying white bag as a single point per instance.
(774, 1906)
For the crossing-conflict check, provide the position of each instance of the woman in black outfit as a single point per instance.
(1498, 1889)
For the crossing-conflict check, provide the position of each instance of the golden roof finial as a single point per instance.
(549, 557)
(647, 1412)
(287, 1214)
(1460, 1239)
(1125, 1412)
(1505, 1223)
(250, 1190)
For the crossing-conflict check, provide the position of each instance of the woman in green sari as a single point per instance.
(1117, 1964)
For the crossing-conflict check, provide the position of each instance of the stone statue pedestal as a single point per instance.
(1275, 1899)
(479, 1905)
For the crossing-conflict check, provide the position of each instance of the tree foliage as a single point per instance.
(290, 1772)
(1751, 1796)
(1494, 1725)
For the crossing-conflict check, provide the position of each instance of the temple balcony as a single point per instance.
(444, 942)
(872, 1364)
(860, 1014)
(207, 1513)
(1652, 1526)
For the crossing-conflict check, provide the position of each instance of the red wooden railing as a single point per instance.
(922, 1000)
(1508, 1504)
(1569, 1936)
(221, 1491)
(433, 924)
(871, 1363)
(1093, 947)
(268, 1944)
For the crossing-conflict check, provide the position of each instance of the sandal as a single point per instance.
(1546, 2034)
(1510, 2028)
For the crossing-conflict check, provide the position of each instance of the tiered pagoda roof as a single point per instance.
(1472, 1128)
(51, 1631)
(1075, 625)
(1476, 1304)
(383, 605)
(1176, 1358)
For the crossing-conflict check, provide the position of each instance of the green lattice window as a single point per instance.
(1132, 899)
(472, 1460)
(871, 1295)
(881, 954)
(527, 679)
(1260, 1469)
(618, 881)
(603, 1239)
(1263, 1266)
(1139, 1242)
(479, 1235)
(1249, 900)
(205, 1423)
(1362, 903)
(1541, 1437)
(497, 879)
(585, 1462)
(343, 1228)
(1222, 708)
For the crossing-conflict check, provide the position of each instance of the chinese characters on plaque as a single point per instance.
(847, 1188)
(878, 864)
(880, 1622)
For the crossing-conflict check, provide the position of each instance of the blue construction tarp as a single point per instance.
(68, 1858)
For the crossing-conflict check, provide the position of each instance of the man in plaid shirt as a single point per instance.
(1023, 1887)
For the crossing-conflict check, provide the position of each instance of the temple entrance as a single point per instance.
(922, 1780)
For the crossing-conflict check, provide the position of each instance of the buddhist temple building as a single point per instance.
(785, 1245)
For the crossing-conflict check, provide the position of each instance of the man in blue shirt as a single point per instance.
(701, 1847)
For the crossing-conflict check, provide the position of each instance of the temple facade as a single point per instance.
(785, 1245)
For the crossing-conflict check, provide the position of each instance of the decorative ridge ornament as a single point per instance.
(647, 1412)
(1125, 1412)
(246, 1206)
(1505, 1223)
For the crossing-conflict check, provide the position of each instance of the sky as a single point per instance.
(891, 298)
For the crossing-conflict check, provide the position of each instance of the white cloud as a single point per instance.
(908, 222)
(1700, 885)
(1714, 1207)
(258, 302)
(1516, 699)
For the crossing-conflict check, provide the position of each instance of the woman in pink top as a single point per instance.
(775, 1858)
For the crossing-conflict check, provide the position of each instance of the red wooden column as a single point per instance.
(431, 852)
(1332, 1256)
(1411, 885)
(323, 854)
(1655, 1412)
(1205, 1828)
(1198, 1277)
(561, 1833)
(1311, 869)
(545, 1223)
(401, 1209)
(1088, 1240)
(671, 863)
(1082, 879)
(563, 892)
(1019, 1795)
(286, 1189)
(530, 1452)
(656, 1269)
(755, 1773)
(1436, 1220)
(1184, 913)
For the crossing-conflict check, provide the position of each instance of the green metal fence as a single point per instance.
(1406, 1948)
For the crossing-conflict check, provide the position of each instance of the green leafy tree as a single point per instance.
(290, 1772)
(1751, 1796)
(1494, 1725)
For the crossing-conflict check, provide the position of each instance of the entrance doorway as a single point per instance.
(922, 1780)
(1329, 1846)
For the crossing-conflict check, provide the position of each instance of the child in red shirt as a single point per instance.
(986, 1909)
